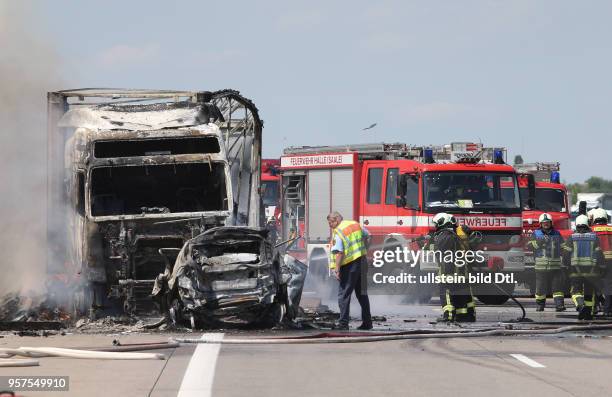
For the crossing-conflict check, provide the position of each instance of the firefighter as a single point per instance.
(456, 298)
(604, 232)
(583, 254)
(546, 244)
(348, 260)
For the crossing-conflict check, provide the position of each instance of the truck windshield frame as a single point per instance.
(159, 190)
(270, 193)
(470, 192)
(547, 199)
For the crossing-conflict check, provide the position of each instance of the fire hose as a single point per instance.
(115, 352)
(379, 338)
(36, 352)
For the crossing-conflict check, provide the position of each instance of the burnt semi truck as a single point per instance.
(135, 174)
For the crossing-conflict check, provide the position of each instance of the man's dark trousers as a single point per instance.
(353, 278)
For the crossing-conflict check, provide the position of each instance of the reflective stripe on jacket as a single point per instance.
(352, 241)
(546, 249)
(604, 233)
(464, 238)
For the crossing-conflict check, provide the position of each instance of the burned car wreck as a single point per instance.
(230, 276)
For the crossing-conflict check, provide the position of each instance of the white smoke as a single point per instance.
(29, 67)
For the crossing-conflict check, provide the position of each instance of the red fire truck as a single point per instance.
(269, 186)
(270, 194)
(551, 197)
(394, 190)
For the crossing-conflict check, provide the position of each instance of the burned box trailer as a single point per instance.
(134, 175)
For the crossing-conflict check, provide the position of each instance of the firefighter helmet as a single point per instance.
(582, 220)
(599, 214)
(590, 214)
(442, 219)
(545, 217)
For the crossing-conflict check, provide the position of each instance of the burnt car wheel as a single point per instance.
(272, 316)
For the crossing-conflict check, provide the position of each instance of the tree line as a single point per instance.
(594, 184)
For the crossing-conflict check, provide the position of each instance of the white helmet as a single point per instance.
(582, 220)
(597, 214)
(590, 214)
(545, 217)
(443, 218)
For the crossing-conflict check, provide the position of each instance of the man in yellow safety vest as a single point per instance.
(348, 260)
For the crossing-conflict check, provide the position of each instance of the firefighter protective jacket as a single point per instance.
(546, 249)
(449, 239)
(584, 255)
(351, 235)
(604, 232)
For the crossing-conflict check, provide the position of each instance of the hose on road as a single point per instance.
(75, 353)
(19, 363)
(379, 338)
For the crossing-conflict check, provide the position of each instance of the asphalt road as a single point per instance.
(564, 365)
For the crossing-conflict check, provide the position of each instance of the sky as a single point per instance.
(532, 76)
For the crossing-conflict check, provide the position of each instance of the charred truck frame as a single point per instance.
(135, 174)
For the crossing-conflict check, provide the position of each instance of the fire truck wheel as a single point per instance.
(493, 299)
(421, 295)
(491, 294)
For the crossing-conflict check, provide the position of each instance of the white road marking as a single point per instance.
(526, 360)
(200, 372)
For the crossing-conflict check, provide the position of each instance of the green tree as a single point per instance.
(594, 184)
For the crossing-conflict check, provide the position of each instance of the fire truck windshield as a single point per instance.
(471, 191)
(551, 200)
(270, 194)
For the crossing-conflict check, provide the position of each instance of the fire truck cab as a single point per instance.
(269, 186)
(394, 190)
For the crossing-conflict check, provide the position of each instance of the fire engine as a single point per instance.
(551, 197)
(270, 194)
(394, 190)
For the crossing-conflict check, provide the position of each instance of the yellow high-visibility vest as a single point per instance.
(352, 240)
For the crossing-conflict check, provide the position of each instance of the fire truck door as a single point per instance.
(372, 199)
(390, 216)
(408, 218)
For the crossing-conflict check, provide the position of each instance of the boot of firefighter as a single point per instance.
(540, 304)
(589, 307)
(585, 313)
(465, 315)
(448, 314)
(559, 304)
(607, 309)
(471, 311)
(579, 302)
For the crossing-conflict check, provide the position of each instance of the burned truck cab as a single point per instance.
(137, 197)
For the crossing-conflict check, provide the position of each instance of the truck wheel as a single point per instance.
(410, 293)
(493, 299)
(420, 294)
(272, 316)
(491, 295)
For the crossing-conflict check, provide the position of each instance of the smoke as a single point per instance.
(29, 67)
